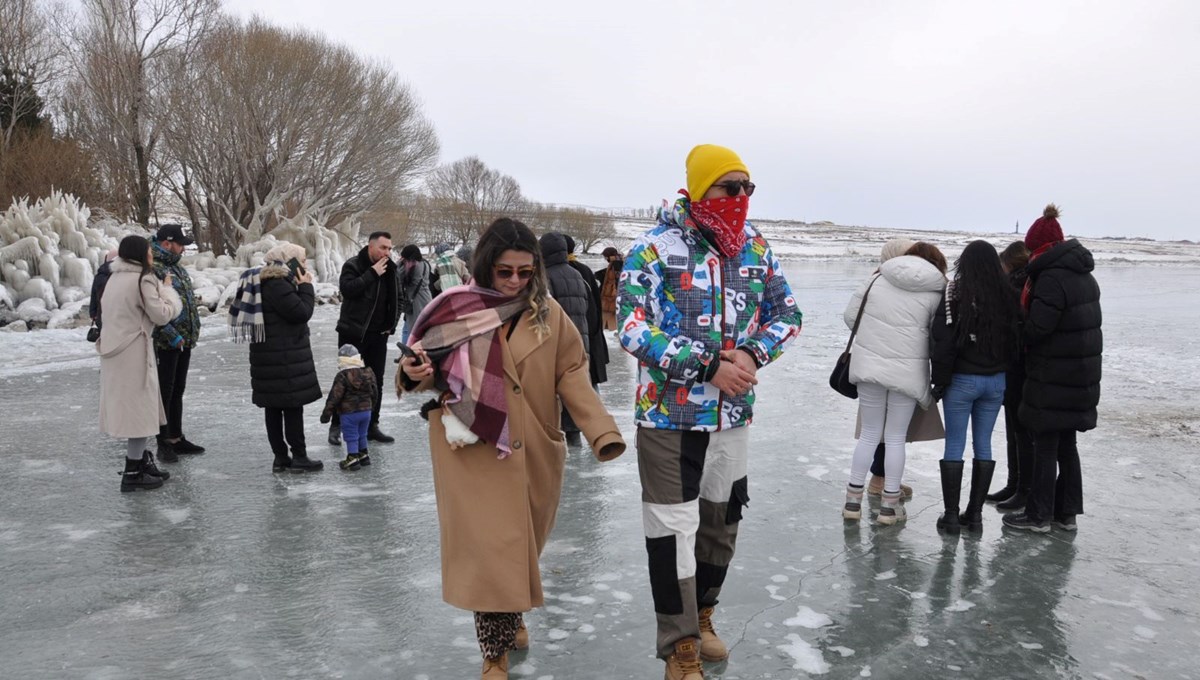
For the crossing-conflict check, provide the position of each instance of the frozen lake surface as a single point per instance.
(231, 572)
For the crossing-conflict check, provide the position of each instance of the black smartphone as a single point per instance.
(294, 265)
(408, 352)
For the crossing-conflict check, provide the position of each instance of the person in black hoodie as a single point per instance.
(371, 307)
(597, 346)
(571, 292)
(1019, 444)
(974, 343)
(1064, 346)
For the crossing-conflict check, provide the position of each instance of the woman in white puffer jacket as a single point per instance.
(890, 365)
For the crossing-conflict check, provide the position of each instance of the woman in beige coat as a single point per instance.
(502, 355)
(134, 302)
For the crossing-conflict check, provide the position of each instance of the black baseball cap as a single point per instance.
(174, 234)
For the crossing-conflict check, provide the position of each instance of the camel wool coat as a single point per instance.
(495, 515)
(130, 402)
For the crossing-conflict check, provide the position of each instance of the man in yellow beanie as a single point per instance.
(703, 305)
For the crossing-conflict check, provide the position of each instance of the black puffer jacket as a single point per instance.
(597, 345)
(948, 358)
(1064, 341)
(566, 285)
(368, 300)
(282, 374)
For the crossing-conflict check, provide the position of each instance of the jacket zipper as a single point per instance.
(719, 278)
(374, 306)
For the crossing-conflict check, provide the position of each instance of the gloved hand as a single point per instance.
(938, 392)
(326, 417)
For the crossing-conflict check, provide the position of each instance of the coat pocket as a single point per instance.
(739, 498)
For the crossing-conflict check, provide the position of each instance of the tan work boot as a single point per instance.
(522, 639)
(495, 669)
(711, 647)
(684, 663)
(875, 488)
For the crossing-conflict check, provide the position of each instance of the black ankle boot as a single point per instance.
(981, 477)
(1014, 502)
(281, 463)
(376, 435)
(952, 473)
(302, 463)
(1003, 494)
(166, 452)
(135, 477)
(148, 461)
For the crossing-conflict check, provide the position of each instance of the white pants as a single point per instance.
(885, 417)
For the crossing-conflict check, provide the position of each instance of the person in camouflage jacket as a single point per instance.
(174, 341)
(703, 304)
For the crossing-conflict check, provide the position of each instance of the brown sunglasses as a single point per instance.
(505, 273)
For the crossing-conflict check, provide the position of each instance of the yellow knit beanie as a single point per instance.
(705, 165)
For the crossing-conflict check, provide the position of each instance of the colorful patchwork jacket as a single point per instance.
(184, 330)
(680, 303)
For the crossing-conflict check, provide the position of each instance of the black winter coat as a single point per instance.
(1064, 341)
(596, 344)
(566, 285)
(1014, 381)
(368, 297)
(98, 284)
(282, 374)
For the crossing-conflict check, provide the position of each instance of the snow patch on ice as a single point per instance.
(779, 578)
(1144, 632)
(886, 575)
(808, 618)
(622, 596)
(960, 606)
(804, 656)
(844, 651)
(557, 634)
(176, 515)
(241, 588)
(865, 672)
(773, 591)
(1031, 645)
(920, 641)
(1151, 614)
(817, 472)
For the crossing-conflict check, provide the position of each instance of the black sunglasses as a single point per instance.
(733, 187)
(506, 273)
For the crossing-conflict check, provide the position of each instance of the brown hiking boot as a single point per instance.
(711, 647)
(522, 639)
(684, 663)
(875, 488)
(495, 669)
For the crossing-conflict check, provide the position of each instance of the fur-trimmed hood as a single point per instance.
(274, 270)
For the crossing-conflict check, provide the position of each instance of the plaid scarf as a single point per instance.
(1027, 289)
(246, 322)
(458, 332)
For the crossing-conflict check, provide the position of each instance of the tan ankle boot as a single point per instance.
(875, 488)
(522, 639)
(495, 669)
(711, 647)
(684, 663)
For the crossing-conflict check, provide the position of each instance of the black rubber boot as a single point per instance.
(302, 463)
(1015, 501)
(376, 435)
(148, 461)
(281, 463)
(135, 477)
(952, 473)
(981, 477)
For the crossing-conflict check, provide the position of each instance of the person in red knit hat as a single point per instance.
(1063, 345)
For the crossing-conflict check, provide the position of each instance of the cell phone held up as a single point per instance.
(407, 351)
(295, 266)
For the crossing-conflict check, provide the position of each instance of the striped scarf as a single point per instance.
(458, 331)
(246, 322)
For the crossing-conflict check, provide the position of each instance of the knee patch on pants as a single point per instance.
(664, 575)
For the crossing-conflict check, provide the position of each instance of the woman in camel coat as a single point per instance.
(133, 303)
(497, 497)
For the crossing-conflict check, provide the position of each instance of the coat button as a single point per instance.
(516, 389)
(517, 445)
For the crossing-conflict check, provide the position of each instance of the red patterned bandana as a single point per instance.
(725, 219)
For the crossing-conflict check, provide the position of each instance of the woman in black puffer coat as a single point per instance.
(573, 295)
(282, 374)
(1064, 345)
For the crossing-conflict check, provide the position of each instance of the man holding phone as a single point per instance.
(370, 286)
(173, 342)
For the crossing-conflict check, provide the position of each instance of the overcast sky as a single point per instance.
(916, 114)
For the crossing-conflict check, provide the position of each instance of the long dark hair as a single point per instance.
(136, 250)
(982, 302)
(509, 234)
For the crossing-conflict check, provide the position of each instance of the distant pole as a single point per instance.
(1017, 228)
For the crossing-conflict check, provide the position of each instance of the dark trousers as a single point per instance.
(1020, 448)
(1057, 479)
(373, 350)
(172, 381)
(285, 426)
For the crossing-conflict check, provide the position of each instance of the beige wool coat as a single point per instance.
(130, 402)
(495, 515)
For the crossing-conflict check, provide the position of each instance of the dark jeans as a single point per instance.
(1055, 455)
(373, 349)
(172, 381)
(1020, 448)
(286, 426)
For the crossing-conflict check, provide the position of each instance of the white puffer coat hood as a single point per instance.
(892, 345)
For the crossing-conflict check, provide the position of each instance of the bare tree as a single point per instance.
(586, 227)
(119, 56)
(472, 195)
(30, 61)
(266, 123)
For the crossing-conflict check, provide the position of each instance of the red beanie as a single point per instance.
(1045, 230)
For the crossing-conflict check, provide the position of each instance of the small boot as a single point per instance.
(981, 477)
(853, 506)
(712, 649)
(302, 463)
(875, 488)
(374, 434)
(952, 473)
(684, 662)
(364, 457)
(350, 462)
(135, 477)
(521, 641)
(148, 460)
(282, 463)
(892, 508)
(495, 669)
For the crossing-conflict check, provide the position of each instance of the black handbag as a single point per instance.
(839, 379)
(93, 333)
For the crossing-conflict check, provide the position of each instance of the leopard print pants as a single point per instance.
(496, 632)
